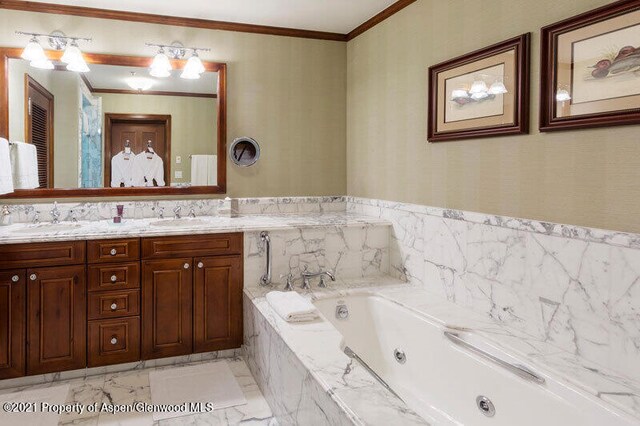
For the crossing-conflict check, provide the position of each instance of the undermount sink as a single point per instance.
(186, 222)
(48, 227)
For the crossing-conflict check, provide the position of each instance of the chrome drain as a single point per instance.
(399, 356)
(485, 406)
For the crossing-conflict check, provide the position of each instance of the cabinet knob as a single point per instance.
(15, 278)
(113, 252)
(33, 277)
(186, 266)
(200, 265)
(114, 278)
(114, 340)
(114, 306)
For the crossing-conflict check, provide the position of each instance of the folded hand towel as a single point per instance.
(24, 165)
(6, 179)
(291, 306)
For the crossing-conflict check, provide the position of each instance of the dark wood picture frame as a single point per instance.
(135, 61)
(548, 72)
(520, 125)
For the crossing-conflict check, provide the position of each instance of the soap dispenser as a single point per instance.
(5, 216)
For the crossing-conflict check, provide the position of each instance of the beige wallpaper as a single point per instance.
(287, 93)
(587, 177)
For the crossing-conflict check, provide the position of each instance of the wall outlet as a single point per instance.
(178, 174)
(178, 159)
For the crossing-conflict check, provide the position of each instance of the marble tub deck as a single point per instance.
(133, 386)
(317, 346)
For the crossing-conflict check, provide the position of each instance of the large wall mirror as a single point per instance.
(116, 130)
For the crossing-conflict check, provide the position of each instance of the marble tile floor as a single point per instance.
(133, 386)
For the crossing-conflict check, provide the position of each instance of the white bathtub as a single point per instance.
(442, 380)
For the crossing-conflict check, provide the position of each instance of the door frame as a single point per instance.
(111, 118)
(30, 82)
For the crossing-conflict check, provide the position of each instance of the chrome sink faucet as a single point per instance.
(176, 212)
(55, 213)
(307, 275)
(192, 213)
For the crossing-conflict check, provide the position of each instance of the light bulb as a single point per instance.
(72, 54)
(478, 86)
(139, 83)
(161, 66)
(497, 88)
(78, 66)
(33, 52)
(193, 68)
(459, 93)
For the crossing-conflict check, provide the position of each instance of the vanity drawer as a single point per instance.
(122, 250)
(42, 254)
(118, 276)
(191, 246)
(110, 304)
(113, 341)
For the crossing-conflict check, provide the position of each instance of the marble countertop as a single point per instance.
(311, 342)
(93, 230)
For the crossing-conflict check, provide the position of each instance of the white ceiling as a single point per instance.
(339, 16)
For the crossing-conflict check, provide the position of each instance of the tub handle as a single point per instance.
(517, 369)
(266, 240)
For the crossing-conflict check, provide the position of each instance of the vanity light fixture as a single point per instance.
(563, 95)
(497, 88)
(161, 64)
(72, 56)
(478, 87)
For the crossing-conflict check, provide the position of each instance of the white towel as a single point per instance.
(24, 165)
(291, 306)
(6, 179)
(204, 170)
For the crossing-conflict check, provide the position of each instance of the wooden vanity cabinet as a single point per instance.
(57, 319)
(191, 303)
(43, 288)
(13, 293)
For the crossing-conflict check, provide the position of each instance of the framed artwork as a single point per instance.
(480, 94)
(590, 69)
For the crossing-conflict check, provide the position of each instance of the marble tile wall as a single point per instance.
(576, 288)
(349, 252)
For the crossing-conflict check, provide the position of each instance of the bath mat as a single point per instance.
(51, 395)
(204, 383)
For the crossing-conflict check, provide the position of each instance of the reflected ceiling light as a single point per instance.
(161, 66)
(563, 95)
(479, 95)
(72, 56)
(139, 83)
(497, 88)
(478, 86)
(33, 51)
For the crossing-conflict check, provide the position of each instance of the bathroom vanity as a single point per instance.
(75, 304)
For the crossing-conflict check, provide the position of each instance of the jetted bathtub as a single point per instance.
(453, 377)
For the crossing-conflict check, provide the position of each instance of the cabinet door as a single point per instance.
(167, 308)
(12, 323)
(217, 303)
(57, 319)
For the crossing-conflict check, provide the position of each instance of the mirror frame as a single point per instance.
(7, 53)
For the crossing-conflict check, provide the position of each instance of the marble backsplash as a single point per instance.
(576, 288)
(348, 252)
(105, 210)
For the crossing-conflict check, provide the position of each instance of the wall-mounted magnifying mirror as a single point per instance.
(244, 152)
